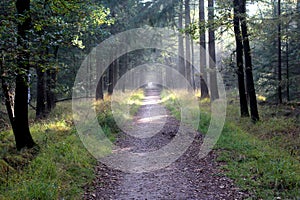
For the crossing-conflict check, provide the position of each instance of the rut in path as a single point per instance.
(187, 178)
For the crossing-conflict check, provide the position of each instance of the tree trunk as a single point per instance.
(279, 54)
(21, 126)
(50, 91)
(212, 53)
(287, 69)
(123, 65)
(203, 73)
(193, 64)
(187, 42)
(239, 61)
(41, 94)
(248, 63)
(51, 85)
(110, 78)
(181, 64)
(8, 96)
(99, 91)
(115, 72)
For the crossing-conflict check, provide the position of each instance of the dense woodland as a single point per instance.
(254, 45)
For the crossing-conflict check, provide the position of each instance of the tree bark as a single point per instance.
(8, 96)
(99, 91)
(192, 66)
(187, 42)
(279, 89)
(21, 126)
(239, 61)
(110, 78)
(41, 94)
(51, 85)
(287, 69)
(203, 73)
(248, 63)
(50, 91)
(212, 53)
(181, 64)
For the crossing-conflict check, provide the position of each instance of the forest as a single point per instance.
(150, 99)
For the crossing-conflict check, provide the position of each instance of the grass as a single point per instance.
(58, 169)
(262, 158)
(61, 167)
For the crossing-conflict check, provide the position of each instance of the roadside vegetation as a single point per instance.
(59, 167)
(263, 158)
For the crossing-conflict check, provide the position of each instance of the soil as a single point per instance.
(189, 177)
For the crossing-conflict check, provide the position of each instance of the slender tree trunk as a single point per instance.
(41, 94)
(51, 85)
(193, 64)
(287, 70)
(187, 42)
(279, 54)
(248, 63)
(8, 96)
(21, 126)
(115, 72)
(50, 95)
(124, 69)
(212, 53)
(239, 61)
(99, 91)
(181, 64)
(203, 73)
(110, 78)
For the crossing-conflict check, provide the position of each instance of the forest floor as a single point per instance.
(189, 177)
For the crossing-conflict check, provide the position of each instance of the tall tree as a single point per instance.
(41, 94)
(279, 54)
(111, 71)
(20, 122)
(203, 73)
(187, 42)
(240, 61)
(212, 53)
(181, 64)
(248, 63)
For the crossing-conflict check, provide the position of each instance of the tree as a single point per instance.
(248, 63)
(202, 32)
(181, 64)
(20, 121)
(279, 54)
(212, 53)
(111, 71)
(187, 42)
(239, 61)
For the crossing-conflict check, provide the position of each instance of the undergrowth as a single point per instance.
(60, 167)
(262, 158)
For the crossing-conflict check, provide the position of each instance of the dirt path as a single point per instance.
(187, 178)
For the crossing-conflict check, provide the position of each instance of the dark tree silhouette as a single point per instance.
(240, 61)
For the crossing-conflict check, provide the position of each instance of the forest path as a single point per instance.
(187, 178)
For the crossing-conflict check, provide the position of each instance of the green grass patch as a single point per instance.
(61, 166)
(257, 156)
(57, 170)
